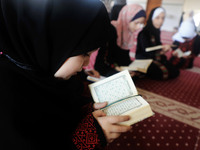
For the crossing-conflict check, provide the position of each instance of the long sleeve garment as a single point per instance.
(34, 118)
(193, 45)
(39, 111)
(111, 55)
(161, 68)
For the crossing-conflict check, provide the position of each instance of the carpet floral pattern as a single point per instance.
(176, 123)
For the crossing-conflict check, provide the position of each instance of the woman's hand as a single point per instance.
(175, 54)
(92, 73)
(109, 124)
(165, 49)
(132, 73)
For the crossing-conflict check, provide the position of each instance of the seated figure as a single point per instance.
(149, 37)
(187, 45)
(116, 51)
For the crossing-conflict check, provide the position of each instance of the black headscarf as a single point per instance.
(196, 46)
(36, 38)
(44, 33)
(148, 37)
(150, 30)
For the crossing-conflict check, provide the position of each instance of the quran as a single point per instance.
(140, 65)
(153, 48)
(122, 97)
(180, 53)
(94, 79)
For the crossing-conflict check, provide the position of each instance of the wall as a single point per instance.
(192, 5)
(174, 9)
(143, 3)
(151, 4)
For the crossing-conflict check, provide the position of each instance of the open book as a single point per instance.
(140, 65)
(180, 53)
(122, 97)
(153, 48)
(158, 47)
(94, 79)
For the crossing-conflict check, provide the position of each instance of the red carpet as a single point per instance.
(176, 123)
(185, 88)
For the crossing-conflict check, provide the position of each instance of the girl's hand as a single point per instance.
(132, 73)
(175, 54)
(109, 124)
(166, 48)
(93, 73)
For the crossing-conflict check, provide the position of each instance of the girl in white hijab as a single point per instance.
(187, 45)
(160, 68)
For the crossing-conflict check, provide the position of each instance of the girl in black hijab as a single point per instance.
(43, 43)
(161, 68)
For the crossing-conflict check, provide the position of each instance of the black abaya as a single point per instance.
(38, 111)
(160, 68)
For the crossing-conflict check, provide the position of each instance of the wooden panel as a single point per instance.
(151, 4)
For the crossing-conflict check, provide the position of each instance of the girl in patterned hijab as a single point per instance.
(122, 39)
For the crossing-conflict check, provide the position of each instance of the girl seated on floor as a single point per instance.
(187, 47)
(116, 51)
(160, 68)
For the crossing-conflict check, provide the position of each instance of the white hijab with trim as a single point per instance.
(186, 30)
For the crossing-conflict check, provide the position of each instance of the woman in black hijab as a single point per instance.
(161, 68)
(43, 43)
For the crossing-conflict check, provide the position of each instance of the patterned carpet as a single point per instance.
(176, 123)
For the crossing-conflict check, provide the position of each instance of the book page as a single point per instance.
(123, 106)
(187, 53)
(153, 48)
(136, 107)
(122, 97)
(113, 88)
(133, 68)
(94, 79)
(179, 52)
(141, 64)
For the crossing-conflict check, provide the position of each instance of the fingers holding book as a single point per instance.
(93, 73)
(110, 125)
(99, 105)
(116, 131)
(117, 119)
